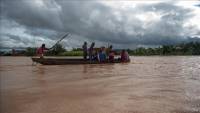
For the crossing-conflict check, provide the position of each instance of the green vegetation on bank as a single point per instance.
(59, 50)
(30, 51)
(192, 48)
(72, 53)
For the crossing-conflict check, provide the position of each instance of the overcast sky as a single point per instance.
(125, 24)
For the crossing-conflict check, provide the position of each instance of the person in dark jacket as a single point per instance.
(91, 49)
(84, 50)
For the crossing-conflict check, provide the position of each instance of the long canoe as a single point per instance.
(65, 61)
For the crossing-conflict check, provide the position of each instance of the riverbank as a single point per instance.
(191, 48)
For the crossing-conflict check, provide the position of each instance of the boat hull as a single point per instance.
(65, 61)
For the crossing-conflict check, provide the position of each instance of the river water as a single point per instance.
(145, 85)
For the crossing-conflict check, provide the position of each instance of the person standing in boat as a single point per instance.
(84, 50)
(91, 49)
(40, 51)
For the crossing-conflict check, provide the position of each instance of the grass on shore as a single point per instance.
(72, 53)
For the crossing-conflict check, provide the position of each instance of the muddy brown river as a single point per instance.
(145, 85)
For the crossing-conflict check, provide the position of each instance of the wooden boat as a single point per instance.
(65, 61)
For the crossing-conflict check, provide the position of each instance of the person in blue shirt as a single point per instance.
(102, 55)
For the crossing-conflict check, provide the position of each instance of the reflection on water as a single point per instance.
(146, 85)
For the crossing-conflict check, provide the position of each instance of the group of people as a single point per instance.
(95, 54)
(102, 54)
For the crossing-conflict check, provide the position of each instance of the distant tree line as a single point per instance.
(192, 48)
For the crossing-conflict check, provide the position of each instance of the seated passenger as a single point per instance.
(95, 56)
(111, 56)
(101, 56)
(108, 50)
(124, 56)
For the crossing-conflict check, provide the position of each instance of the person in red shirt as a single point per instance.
(111, 56)
(41, 50)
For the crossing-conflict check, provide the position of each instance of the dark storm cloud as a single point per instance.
(17, 39)
(96, 21)
(29, 14)
(45, 33)
(198, 5)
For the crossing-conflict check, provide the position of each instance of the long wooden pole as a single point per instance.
(60, 40)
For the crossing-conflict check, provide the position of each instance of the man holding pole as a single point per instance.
(41, 50)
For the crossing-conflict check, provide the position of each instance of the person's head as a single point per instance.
(85, 43)
(110, 46)
(43, 45)
(123, 50)
(100, 51)
(92, 45)
(103, 48)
